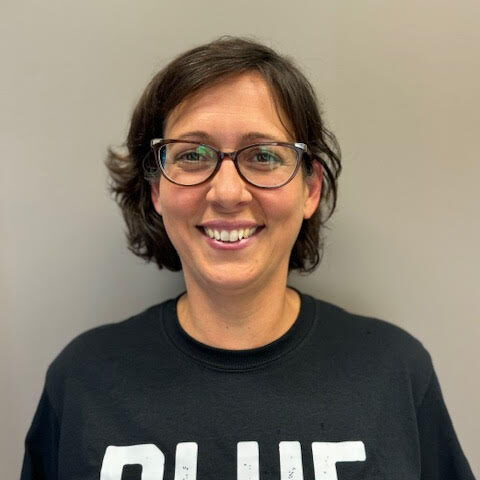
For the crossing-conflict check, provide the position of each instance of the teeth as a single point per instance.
(230, 236)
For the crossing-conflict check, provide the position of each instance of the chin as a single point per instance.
(231, 278)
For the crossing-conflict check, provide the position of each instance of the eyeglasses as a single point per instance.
(264, 165)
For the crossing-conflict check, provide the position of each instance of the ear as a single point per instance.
(155, 196)
(313, 189)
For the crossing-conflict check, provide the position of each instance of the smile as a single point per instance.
(229, 235)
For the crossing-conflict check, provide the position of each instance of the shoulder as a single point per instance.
(372, 345)
(377, 331)
(110, 344)
(353, 326)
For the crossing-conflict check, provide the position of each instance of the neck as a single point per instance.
(238, 320)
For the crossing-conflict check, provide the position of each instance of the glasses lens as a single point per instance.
(268, 165)
(187, 163)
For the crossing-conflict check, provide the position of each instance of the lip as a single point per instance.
(238, 245)
(229, 225)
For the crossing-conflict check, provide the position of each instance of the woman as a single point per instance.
(229, 175)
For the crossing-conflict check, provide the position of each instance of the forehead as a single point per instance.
(237, 104)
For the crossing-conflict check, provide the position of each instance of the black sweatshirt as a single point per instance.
(338, 396)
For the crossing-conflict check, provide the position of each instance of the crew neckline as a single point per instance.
(239, 360)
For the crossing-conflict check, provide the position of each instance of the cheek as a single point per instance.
(285, 211)
(177, 204)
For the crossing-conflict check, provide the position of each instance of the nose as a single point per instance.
(227, 190)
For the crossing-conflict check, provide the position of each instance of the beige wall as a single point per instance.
(399, 83)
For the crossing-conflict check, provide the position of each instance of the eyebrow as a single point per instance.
(250, 136)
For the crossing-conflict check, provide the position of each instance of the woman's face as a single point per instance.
(229, 115)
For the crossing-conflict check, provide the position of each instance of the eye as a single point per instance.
(266, 157)
(188, 157)
(263, 157)
(197, 154)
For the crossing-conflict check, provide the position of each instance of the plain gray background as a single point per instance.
(398, 81)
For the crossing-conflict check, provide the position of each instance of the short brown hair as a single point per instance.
(131, 174)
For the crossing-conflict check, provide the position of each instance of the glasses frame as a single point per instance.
(301, 149)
